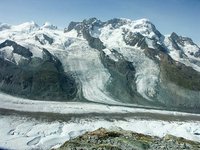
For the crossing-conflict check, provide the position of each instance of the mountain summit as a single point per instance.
(119, 61)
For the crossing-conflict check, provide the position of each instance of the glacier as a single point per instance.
(125, 74)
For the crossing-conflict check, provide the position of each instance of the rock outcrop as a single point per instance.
(103, 139)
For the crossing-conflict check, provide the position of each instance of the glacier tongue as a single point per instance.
(85, 63)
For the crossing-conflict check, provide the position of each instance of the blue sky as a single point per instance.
(181, 16)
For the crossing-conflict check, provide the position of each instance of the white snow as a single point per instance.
(146, 70)
(187, 59)
(149, 43)
(72, 33)
(107, 51)
(142, 26)
(112, 37)
(74, 53)
(111, 55)
(95, 32)
(7, 52)
(17, 57)
(26, 27)
(26, 133)
(157, 56)
(84, 62)
(48, 25)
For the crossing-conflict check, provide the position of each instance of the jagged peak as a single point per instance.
(128, 21)
(113, 21)
(48, 25)
(85, 23)
(143, 26)
(92, 20)
(176, 37)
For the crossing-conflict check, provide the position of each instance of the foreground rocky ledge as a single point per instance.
(104, 139)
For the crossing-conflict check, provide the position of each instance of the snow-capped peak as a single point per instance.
(184, 50)
(48, 25)
(145, 27)
(95, 26)
(132, 40)
(26, 27)
(143, 20)
(92, 21)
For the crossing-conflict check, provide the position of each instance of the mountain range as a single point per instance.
(116, 62)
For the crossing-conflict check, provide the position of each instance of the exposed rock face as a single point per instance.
(135, 39)
(123, 76)
(182, 41)
(35, 78)
(179, 84)
(44, 39)
(18, 49)
(126, 140)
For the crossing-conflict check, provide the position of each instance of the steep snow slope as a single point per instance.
(184, 50)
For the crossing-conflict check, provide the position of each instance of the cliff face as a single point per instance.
(35, 78)
(103, 139)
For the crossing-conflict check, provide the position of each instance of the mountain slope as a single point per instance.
(119, 61)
